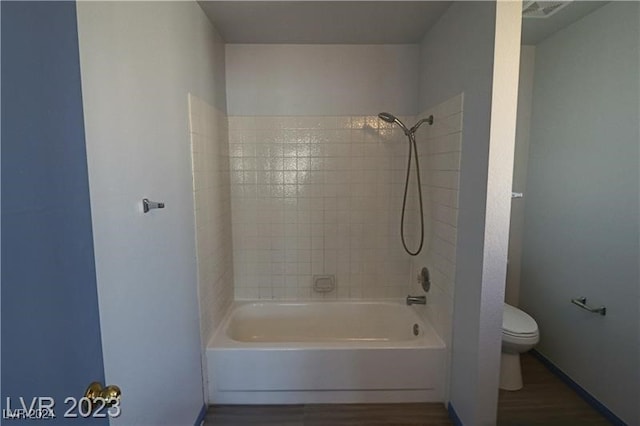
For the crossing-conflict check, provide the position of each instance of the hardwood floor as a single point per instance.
(329, 415)
(544, 401)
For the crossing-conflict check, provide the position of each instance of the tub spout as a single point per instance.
(416, 300)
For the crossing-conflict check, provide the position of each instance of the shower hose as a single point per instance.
(412, 146)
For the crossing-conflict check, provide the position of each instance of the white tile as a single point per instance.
(241, 122)
(343, 177)
(210, 179)
(444, 248)
(269, 123)
(449, 179)
(444, 196)
(444, 161)
(304, 292)
(445, 143)
(446, 125)
(446, 214)
(265, 293)
(445, 231)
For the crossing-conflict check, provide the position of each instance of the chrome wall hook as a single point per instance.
(148, 205)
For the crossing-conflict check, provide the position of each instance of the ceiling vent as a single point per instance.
(542, 9)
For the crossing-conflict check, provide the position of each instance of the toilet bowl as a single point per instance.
(519, 334)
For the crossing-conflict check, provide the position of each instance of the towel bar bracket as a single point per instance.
(582, 302)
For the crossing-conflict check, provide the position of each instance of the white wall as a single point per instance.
(455, 61)
(322, 79)
(581, 219)
(520, 161)
(139, 61)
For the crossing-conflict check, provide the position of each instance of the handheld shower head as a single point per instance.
(390, 118)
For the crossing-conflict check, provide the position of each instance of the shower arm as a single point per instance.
(419, 123)
(390, 118)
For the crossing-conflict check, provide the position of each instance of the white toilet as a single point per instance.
(519, 334)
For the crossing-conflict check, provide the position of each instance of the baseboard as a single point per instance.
(325, 397)
(454, 416)
(582, 393)
(201, 415)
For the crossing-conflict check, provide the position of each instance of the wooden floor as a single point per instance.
(545, 400)
(329, 415)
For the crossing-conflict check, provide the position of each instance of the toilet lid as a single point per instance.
(516, 322)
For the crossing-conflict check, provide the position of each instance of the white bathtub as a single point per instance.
(324, 352)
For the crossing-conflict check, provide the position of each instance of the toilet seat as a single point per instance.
(518, 324)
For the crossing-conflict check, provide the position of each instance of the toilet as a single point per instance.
(519, 334)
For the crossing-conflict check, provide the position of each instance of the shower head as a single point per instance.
(390, 118)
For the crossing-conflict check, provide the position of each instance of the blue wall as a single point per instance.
(50, 325)
(581, 209)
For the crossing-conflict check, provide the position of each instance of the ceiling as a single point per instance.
(534, 30)
(356, 22)
(324, 22)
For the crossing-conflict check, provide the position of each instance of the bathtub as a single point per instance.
(324, 352)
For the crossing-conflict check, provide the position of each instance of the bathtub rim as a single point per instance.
(220, 340)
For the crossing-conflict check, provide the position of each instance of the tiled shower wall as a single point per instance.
(212, 202)
(317, 195)
(439, 148)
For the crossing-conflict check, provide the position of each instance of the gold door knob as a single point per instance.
(108, 394)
